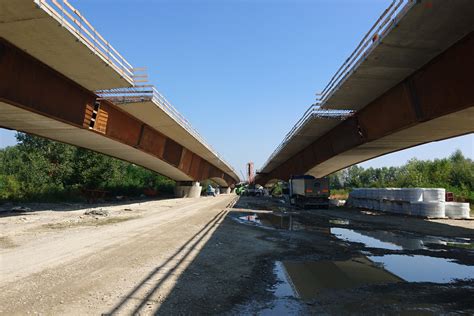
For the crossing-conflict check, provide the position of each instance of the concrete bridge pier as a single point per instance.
(225, 190)
(187, 189)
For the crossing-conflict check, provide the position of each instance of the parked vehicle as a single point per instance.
(254, 190)
(240, 189)
(309, 192)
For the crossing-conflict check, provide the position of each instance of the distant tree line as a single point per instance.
(455, 174)
(43, 170)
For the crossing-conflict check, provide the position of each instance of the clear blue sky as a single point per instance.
(243, 71)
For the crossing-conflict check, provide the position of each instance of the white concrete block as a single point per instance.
(457, 210)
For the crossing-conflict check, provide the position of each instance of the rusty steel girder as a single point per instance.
(441, 87)
(27, 83)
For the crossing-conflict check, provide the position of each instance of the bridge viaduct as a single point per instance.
(411, 84)
(61, 80)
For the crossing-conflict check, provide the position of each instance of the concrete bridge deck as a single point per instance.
(407, 83)
(55, 89)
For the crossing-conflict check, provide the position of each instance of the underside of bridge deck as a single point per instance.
(36, 99)
(434, 103)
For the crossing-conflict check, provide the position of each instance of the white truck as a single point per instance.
(308, 191)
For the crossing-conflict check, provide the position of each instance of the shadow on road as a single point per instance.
(181, 255)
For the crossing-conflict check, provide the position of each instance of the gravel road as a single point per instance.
(202, 256)
(55, 262)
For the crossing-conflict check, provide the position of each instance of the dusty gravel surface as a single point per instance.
(192, 256)
(127, 262)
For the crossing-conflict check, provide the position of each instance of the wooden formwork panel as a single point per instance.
(101, 121)
(88, 115)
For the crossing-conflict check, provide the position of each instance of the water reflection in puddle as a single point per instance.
(353, 236)
(424, 269)
(283, 288)
(250, 219)
(285, 301)
(312, 277)
(396, 241)
(339, 221)
(410, 268)
(269, 220)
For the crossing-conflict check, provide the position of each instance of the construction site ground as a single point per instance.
(229, 255)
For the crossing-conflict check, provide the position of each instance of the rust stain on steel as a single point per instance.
(446, 83)
(195, 163)
(441, 87)
(172, 152)
(27, 83)
(228, 179)
(204, 170)
(152, 142)
(186, 159)
(390, 112)
(215, 172)
(120, 125)
(30, 84)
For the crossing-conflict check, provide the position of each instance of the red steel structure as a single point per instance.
(250, 172)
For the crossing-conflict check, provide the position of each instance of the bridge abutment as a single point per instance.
(187, 189)
(225, 190)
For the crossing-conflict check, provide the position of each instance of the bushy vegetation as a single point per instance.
(277, 189)
(43, 170)
(455, 174)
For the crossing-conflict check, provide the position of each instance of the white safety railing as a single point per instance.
(150, 93)
(389, 19)
(71, 19)
(313, 112)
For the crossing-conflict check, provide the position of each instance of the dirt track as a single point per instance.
(191, 256)
(80, 264)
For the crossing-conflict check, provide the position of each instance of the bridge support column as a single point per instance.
(225, 190)
(187, 189)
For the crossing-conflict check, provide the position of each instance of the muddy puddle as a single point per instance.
(417, 268)
(397, 241)
(411, 268)
(368, 241)
(339, 221)
(300, 282)
(268, 220)
(285, 298)
(310, 278)
(305, 280)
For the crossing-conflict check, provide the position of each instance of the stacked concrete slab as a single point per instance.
(423, 202)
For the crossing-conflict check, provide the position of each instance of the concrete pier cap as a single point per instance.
(187, 189)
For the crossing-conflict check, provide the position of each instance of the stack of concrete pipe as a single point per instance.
(457, 210)
(429, 203)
